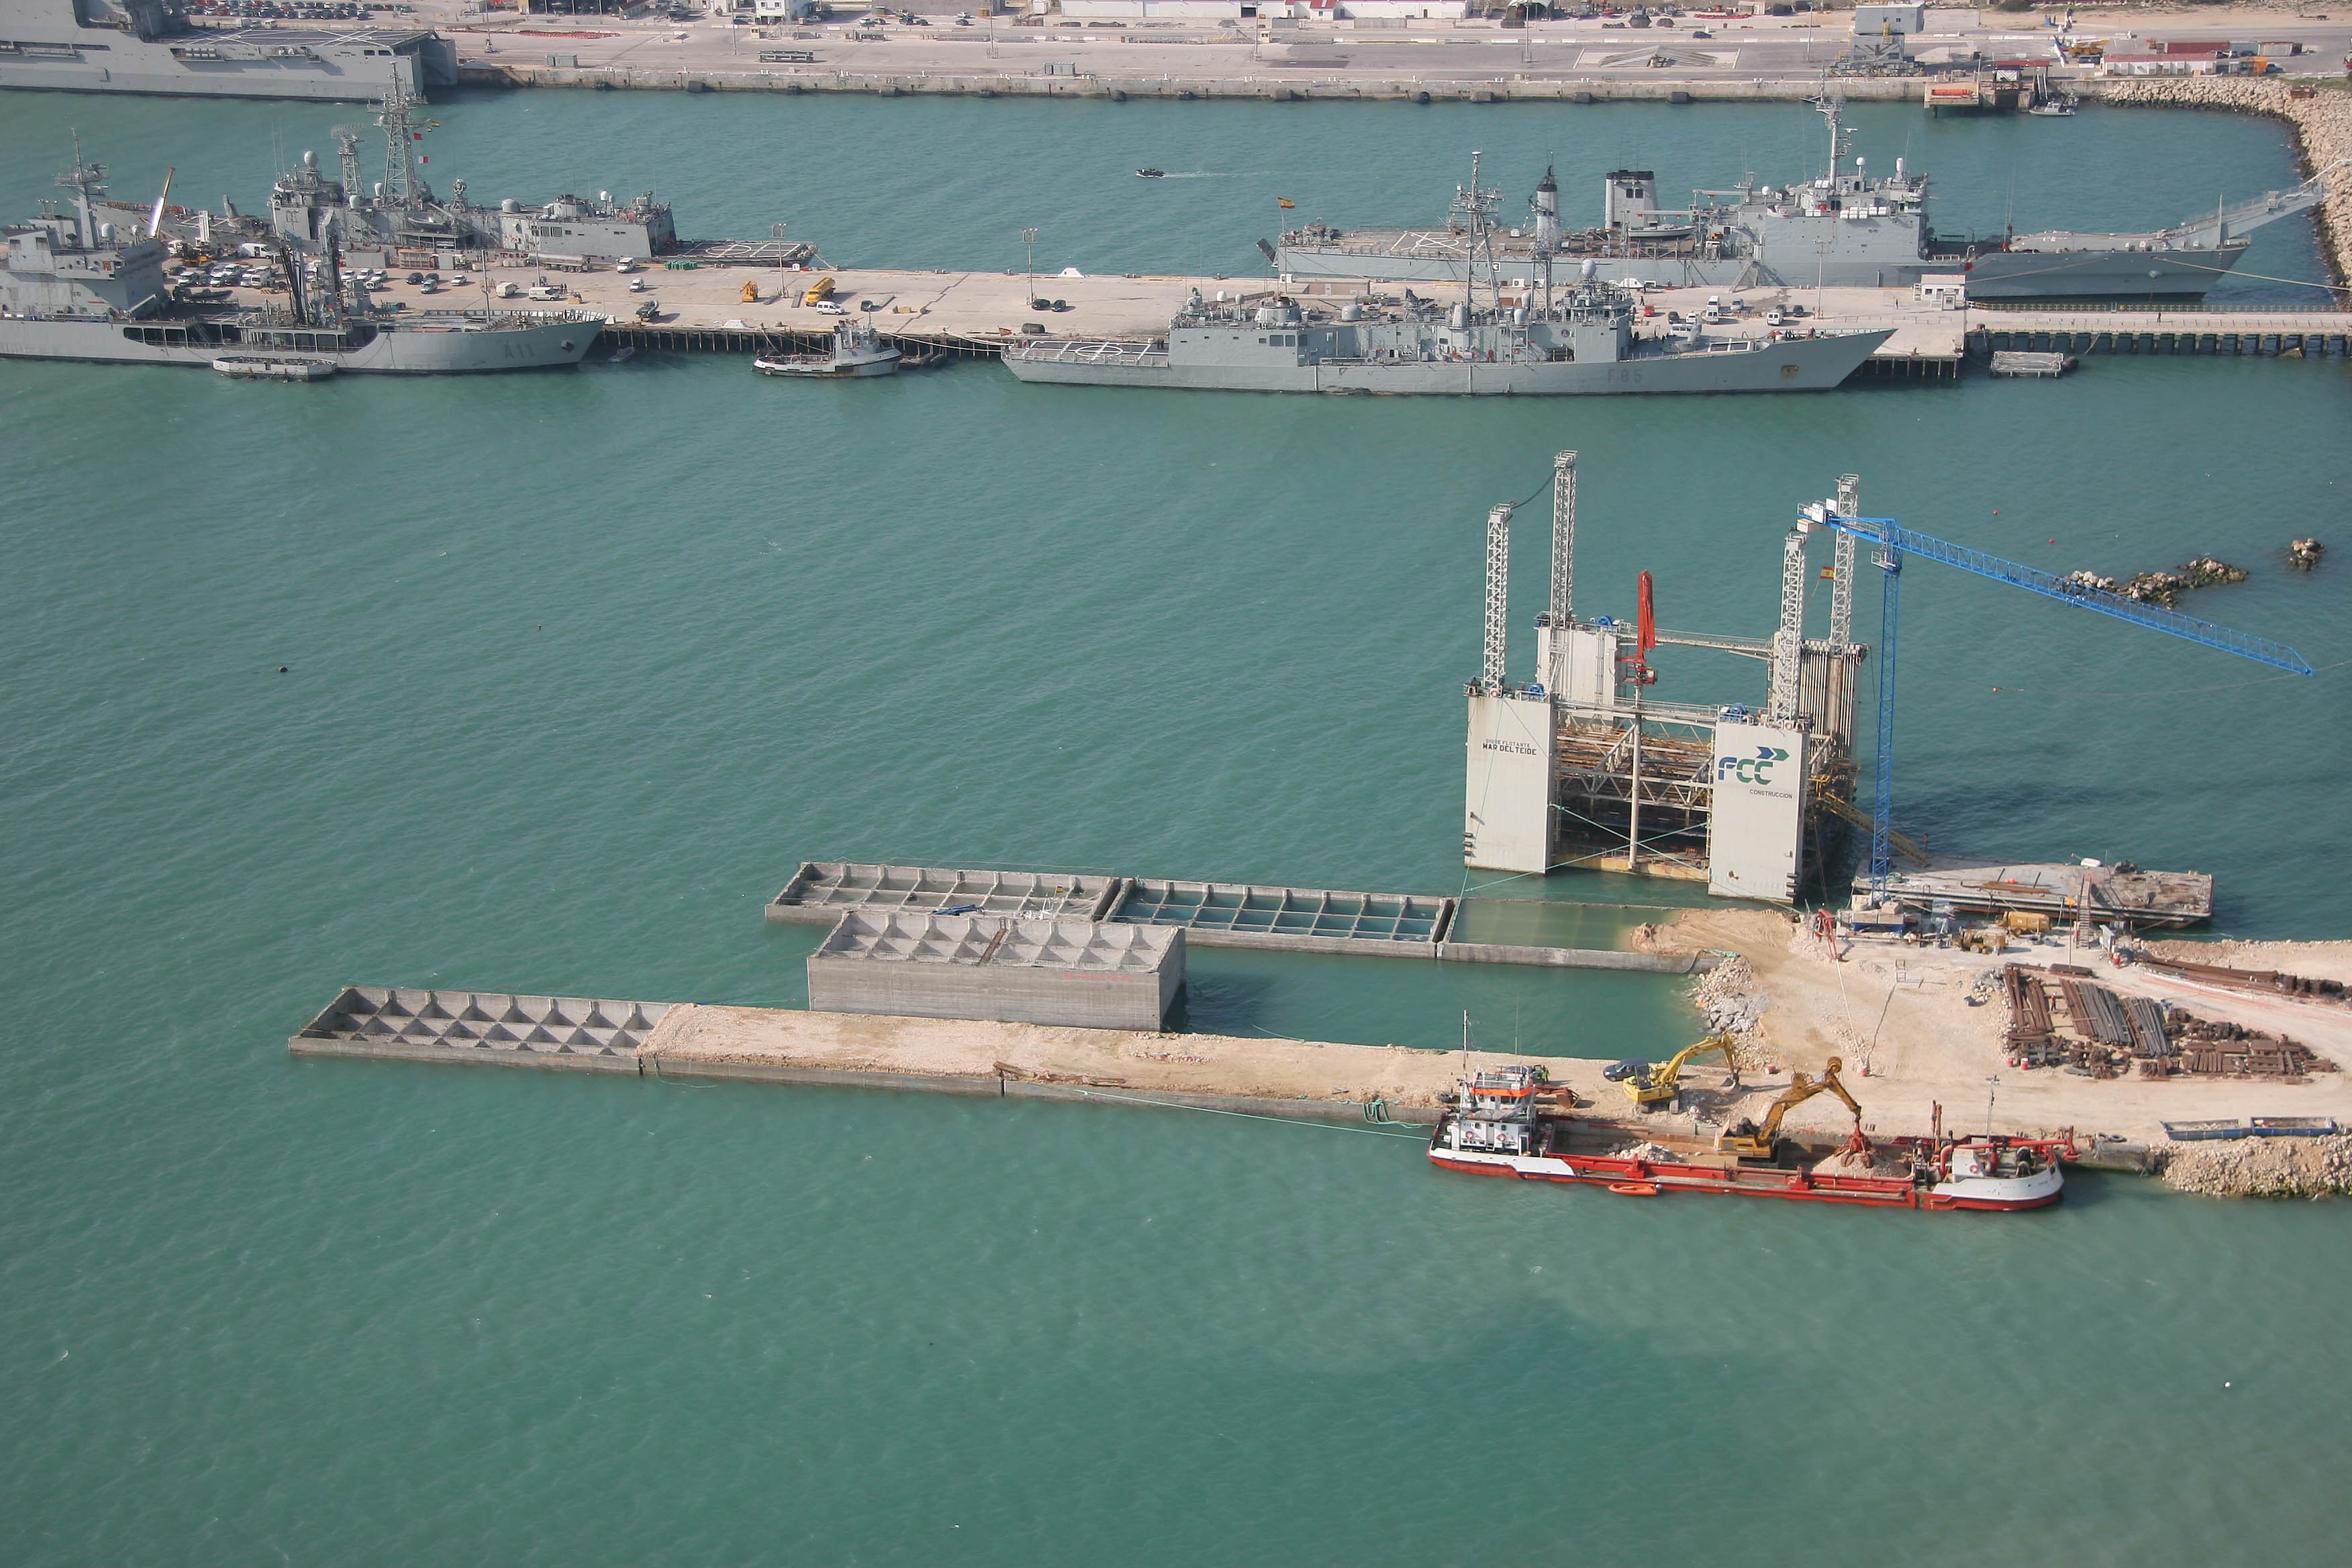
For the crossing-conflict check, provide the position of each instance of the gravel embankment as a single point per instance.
(2263, 1168)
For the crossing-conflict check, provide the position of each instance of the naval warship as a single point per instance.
(1579, 338)
(403, 211)
(1841, 230)
(153, 45)
(73, 288)
(1541, 341)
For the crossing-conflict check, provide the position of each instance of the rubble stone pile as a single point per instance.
(1730, 997)
(2263, 1167)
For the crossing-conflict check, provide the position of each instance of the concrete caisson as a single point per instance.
(489, 1027)
(1071, 972)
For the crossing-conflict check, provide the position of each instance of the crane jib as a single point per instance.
(1888, 532)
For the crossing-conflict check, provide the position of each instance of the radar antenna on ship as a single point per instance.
(402, 186)
(87, 182)
(1830, 104)
(347, 143)
(1472, 214)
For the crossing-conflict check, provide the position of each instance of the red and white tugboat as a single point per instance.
(1499, 1126)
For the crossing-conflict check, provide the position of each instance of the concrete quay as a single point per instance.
(1299, 1079)
(976, 314)
(1423, 61)
(1310, 1080)
(2269, 334)
(1306, 1081)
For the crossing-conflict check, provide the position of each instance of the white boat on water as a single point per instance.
(857, 350)
(268, 367)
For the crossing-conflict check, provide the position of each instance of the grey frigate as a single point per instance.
(1843, 230)
(76, 287)
(1544, 341)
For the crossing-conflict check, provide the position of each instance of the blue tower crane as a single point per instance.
(1894, 541)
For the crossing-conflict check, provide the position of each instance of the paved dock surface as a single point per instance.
(1759, 57)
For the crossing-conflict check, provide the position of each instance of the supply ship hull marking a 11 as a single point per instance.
(71, 290)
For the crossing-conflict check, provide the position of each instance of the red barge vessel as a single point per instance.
(1497, 1126)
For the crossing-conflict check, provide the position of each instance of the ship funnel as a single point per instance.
(1898, 168)
(1547, 205)
(1460, 319)
(1631, 196)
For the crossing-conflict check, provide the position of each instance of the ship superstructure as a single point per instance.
(153, 45)
(1845, 228)
(1525, 337)
(77, 287)
(400, 210)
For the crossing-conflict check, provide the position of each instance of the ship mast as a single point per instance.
(347, 142)
(85, 181)
(1546, 203)
(1831, 105)
(1473, 213)
(401, 185)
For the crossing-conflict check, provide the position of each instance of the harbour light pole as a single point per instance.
(784, 283)
(1029, 239)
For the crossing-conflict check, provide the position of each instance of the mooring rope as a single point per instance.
(1251, 1115)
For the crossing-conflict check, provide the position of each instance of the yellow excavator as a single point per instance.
(1651, 1088)
(1749, 1142)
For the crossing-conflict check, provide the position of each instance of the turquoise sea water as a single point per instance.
(580, 666)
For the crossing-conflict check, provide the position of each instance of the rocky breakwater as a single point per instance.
(2321, 117)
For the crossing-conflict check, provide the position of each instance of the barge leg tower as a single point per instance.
(1581, 767)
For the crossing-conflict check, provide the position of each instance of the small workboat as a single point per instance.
(2056, 109)
(856, 351)
(265, 367)
(1151, 173)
